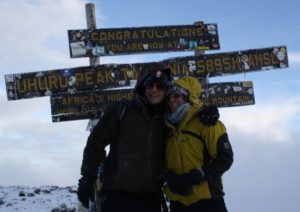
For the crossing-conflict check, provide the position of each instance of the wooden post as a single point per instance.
(94, 61)
(90, 12)
(91, 24)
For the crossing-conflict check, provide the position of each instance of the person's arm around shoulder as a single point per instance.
(209, 115)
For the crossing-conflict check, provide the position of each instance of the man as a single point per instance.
(134, 168)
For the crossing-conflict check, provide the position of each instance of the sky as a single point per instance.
(264, 136)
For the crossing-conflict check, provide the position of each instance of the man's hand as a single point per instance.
(209, 115)
(85, 191)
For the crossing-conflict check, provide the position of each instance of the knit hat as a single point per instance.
(156, 72)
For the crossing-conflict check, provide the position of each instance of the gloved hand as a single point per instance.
(209, 115)
(183, 184)
(196, 176)
(85, 191)
(179, 184)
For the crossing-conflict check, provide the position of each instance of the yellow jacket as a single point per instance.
(192, 145)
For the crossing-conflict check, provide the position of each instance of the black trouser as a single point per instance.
(119, 201)
(210, 205)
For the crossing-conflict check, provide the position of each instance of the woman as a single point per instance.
(196, 155)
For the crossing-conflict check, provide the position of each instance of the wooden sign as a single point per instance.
(85, 104)
(90, 105)
(228, 94)
(120, 41)
(90, 78)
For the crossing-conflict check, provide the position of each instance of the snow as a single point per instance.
(38, 199)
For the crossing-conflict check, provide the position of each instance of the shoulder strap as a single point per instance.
(122, 108)
(207, 156)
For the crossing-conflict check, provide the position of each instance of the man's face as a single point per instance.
(155, 92)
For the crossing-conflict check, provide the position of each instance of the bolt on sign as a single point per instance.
(92, 78)
(120, 41)
(91, 104)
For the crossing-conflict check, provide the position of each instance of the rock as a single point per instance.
(30, 194)
(62, 208)
(22, 194)
(53, 188)
(37, 191)
(63, 205)
(72, 209)
(72, 190)
(46, 191)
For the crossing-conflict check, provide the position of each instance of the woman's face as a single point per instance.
(175, 101)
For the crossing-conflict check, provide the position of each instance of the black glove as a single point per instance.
(179, 184)
(183, 184)
(85, 191)
(196, 176)
(209, 115)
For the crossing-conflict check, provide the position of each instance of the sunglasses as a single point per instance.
(159, 85)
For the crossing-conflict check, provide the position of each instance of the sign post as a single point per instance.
(91, 24)
(95, 60)
(74, 91)
(84, 92)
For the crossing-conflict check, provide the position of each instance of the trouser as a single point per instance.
(210, 205)
(119, 201)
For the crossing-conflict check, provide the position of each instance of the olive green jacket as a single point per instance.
(192, 145)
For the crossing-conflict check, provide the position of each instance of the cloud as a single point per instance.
(294, 57)
(264, 138)
(33, 147)
(263, 172)
(268, 122)
(34, 36)
(37, 31)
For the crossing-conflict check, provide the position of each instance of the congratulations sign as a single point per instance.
(118, 41)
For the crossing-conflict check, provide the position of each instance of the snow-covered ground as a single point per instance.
(38, 199)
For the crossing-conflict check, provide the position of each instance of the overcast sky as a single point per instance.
(264, 136)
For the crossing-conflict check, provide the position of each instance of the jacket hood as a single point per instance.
(193, 86)
(157, 71)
